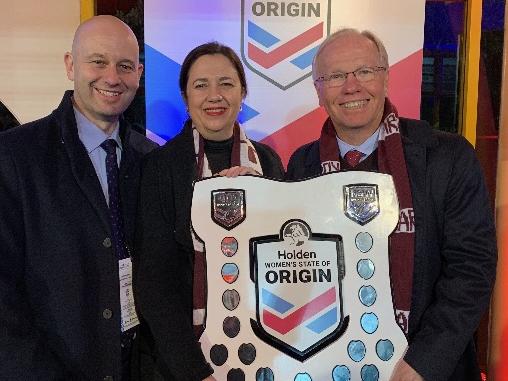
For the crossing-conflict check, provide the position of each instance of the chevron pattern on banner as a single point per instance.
(286, 50)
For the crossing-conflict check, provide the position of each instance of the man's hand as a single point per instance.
(238, 171)
(210, 378)
(404, 372)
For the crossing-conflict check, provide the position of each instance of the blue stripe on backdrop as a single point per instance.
(305, 60)
(261, 36)
(165, 109)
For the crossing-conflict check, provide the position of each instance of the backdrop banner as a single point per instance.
(276, 41)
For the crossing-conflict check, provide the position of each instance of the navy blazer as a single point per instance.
(59, 287)
(455, 248)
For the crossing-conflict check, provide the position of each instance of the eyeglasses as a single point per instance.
(363, 74)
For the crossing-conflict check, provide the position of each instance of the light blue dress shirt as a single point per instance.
(92, 137)
(367, 147)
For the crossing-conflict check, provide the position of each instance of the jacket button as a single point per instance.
(107, 313)
(108, 378)
(106, 242)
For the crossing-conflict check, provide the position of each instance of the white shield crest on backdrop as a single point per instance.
(280, 39)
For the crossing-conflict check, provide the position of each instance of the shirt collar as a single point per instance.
(367, 147)
(91, 136)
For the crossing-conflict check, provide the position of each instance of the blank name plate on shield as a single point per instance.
(298, 283)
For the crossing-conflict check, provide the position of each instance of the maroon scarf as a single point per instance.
(244, 154)
(401, 241)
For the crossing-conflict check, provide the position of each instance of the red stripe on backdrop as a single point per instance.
(404, 89)
(303, 130)
(267, 60)
(405, 84)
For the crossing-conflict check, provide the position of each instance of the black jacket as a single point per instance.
(59, 287)
(164, 257)
(455, 248)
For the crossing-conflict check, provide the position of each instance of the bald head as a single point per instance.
(104, 65)
(347, 32)
(104, 25)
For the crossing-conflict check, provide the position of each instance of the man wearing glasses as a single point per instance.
(443, 251)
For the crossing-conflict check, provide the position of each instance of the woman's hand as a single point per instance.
(238, 171)
(210, 378)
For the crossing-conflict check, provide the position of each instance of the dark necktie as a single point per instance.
(353, 157)
(118, 238)
(115, 213)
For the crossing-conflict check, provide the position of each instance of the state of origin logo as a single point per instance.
(280, 39)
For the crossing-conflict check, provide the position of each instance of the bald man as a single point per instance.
(68, 189)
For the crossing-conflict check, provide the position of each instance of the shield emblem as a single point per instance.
(298, 277)
(280, 39)
(228, 207)
(361, 202)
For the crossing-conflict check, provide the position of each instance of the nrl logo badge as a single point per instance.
(298, 278)
(361, 202)
(228, 207)
(280, 38)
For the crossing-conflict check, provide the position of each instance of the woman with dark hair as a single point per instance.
(168, 283)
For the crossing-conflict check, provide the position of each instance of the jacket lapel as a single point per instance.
(81, 166)
(184, 174)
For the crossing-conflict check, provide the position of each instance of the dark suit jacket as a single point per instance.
(455, 248)
(59, 287)
(164, 257)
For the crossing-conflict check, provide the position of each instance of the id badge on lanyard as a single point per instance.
(127, 307)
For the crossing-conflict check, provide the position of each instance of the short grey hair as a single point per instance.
(383, 55)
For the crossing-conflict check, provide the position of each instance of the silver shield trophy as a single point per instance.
(298, 288)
